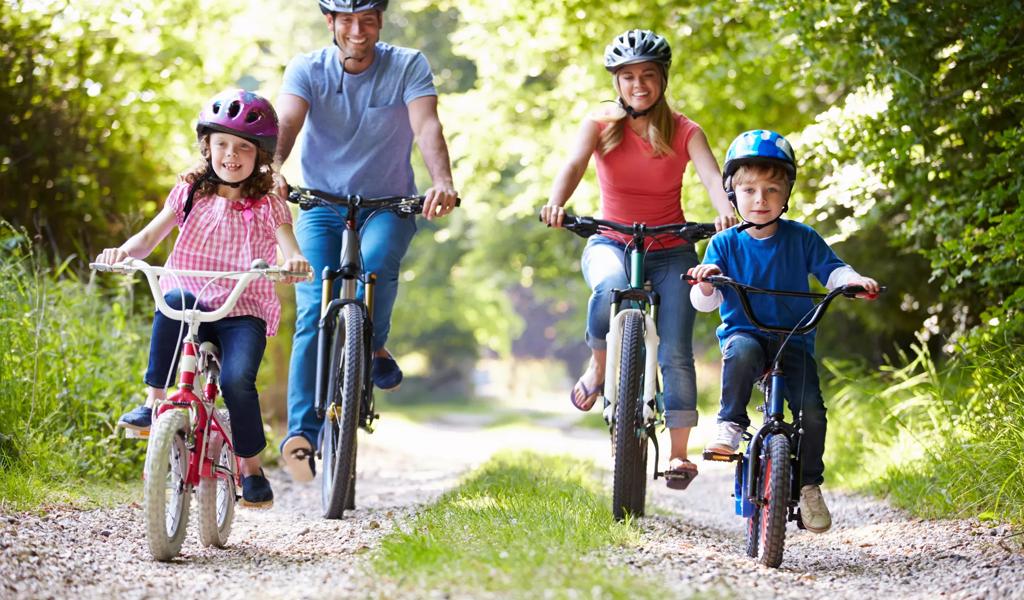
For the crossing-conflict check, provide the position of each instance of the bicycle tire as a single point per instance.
(215, 498)
(753, 533)
(628, 476)
(775, 511)
(166, 493)
(345, 383)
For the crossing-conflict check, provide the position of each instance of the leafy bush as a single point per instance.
(71, 358)
(939, 441)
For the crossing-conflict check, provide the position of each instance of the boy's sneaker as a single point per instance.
(727, 440)
(256, 491)
(137, 419)
(297, 453)
(813, 511)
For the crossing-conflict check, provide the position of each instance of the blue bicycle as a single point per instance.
(767, 484)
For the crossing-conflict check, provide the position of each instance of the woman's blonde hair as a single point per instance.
(256, 186)
(661, 127)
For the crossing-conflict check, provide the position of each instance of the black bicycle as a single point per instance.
(344, 389)
(634, 407)
(767, 485)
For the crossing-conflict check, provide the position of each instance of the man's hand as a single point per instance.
(280, 186)
(438, 201)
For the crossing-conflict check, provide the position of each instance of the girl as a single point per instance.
(226, 220)
(642, 148)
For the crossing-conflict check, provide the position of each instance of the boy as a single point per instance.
(770, 252)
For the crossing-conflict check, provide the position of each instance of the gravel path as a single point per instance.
(692, 541)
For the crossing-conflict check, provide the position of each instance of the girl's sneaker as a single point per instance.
(256, 491)
(138, 419)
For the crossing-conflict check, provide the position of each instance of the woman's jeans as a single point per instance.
(241, 341)
(384, 241)
(744, 359)
(604, 268)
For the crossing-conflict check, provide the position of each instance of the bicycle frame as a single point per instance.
(194, 358)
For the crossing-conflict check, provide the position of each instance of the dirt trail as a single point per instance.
(692, 541)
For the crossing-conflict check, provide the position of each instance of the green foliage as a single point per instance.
(933, 148)
(518, 527)
(940, 441)
(98, 101)
(69, 358)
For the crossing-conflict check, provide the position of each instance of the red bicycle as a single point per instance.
(190, 445)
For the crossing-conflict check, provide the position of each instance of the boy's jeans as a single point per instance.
(744, 358)
(384, 242)
(604, 270)
(241, 341)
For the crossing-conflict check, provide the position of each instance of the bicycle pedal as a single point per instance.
(714, 456)
(135, 434)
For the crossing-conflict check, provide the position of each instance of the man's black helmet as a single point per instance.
(637, 46)
(351, 6)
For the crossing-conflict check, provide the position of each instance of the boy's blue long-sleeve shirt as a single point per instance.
(781, 262)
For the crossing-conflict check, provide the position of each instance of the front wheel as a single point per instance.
(776, 482)
(216, 495)
(629, 484)
(345, 385)
(166, 492)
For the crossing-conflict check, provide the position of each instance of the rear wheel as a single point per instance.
(629, 483)
(344, 390)
(775, 512)
(216, 495)
(166, 493)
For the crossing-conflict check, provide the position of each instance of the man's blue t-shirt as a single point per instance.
(359, 140)
(781, 262)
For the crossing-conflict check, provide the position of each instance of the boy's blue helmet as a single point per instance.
(758, 145)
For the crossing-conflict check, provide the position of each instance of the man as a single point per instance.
(364, 102)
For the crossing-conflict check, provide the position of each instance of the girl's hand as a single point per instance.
(870, 286)
(702, 271)
(552, 215)
(111, 256)
(296, 264)
(725, 221)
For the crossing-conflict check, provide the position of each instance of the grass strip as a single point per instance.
(523, 525)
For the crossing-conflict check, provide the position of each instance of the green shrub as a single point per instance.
(940, 441)
(72, 358)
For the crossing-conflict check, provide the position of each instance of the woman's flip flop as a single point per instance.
(589, 397)
(679, 477)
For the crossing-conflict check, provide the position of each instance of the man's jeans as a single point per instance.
(744, 359)
(384, 241)
(241, 341)
(605, 270)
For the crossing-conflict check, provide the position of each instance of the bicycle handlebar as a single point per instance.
(588, 226)
(259, 270)
(308, 198)
(743, 290)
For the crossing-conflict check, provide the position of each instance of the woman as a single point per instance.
(641, 147)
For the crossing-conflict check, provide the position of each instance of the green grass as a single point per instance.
(523, 525)
(71, 360)
(939, 441)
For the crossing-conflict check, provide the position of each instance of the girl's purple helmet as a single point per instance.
(240, 113)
